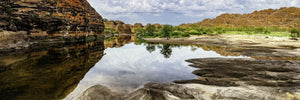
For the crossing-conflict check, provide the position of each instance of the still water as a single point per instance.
(127, 68)
(120, 63)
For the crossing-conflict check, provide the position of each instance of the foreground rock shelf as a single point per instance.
(237, 72)
(220, 78)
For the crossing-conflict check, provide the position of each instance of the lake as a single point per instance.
(121, 63)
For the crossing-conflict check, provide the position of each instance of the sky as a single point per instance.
(175, 12)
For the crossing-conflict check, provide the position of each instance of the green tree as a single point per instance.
(150, 30)
(166, 30)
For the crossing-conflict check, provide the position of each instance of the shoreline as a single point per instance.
(246, 45)
(272, 72)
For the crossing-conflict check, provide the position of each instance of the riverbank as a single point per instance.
(280, 48)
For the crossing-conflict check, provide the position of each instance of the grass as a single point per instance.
(273, 34)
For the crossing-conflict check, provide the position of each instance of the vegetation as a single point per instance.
(269, 22)
(168, 31)
(295, 33)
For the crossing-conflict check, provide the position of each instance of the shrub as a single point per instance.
(185, 34)
(259, 29)
(175, 33)
(295, 33)
(266, 31)
(220, 30)
(194, 32)
(207, 31)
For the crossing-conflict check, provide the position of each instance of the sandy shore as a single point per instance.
(281, 48)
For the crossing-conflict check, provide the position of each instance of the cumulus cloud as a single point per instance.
(168, 11)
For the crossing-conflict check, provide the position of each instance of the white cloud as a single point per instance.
(132, 11)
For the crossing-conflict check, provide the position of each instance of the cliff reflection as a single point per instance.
(118, 41)
(44, 74)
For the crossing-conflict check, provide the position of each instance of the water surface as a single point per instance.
(129, 67)
(121, 63)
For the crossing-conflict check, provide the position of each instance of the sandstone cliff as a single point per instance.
(283, 17)
(118, 26)
(22, 19)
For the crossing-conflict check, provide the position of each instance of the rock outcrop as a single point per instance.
(25, 20)
(283, 17)
(160, 91)
(118, 27)
(110, 24)
(122, 28)
(136, 26)
(219, 78)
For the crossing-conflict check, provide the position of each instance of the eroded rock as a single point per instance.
(46, 18)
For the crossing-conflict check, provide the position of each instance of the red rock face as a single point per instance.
(55, 17)
(283, 17)
(22, 21)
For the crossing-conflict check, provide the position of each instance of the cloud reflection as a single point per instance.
(131, 66)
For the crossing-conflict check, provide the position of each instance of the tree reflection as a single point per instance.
(193, 48)
(150, 48)
(166, 50)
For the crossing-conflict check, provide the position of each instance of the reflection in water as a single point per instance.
(129, 67)
(118, 41)
(46, 74)
(166, 50)
(150, 48)
(55, 71)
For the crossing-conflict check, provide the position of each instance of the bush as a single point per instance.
(184, 34)
(220, 30)
(194, 32)
(175, 33)
(208, 31)
(266, 31)
(259, 29)
(295, 33)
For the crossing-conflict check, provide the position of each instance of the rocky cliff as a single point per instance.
(283, 17)
(118, 26)
(23, 19)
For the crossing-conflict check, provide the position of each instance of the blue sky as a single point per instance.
(175, 12)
